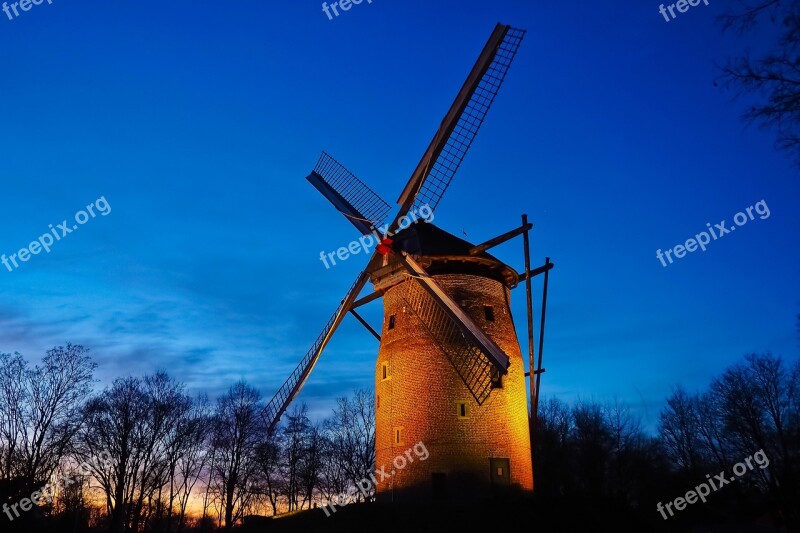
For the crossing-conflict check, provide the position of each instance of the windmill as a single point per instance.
(449, 371)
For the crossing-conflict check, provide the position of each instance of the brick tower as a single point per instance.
(475, 450)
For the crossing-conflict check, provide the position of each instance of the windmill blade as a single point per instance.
(360, 204)
(291, 387)
(473, 354)
(469, 361)
(462, 320)
(434, 172)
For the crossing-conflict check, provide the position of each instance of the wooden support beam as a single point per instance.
(491, 243)
(540, 370)
(367, 299)
(529, 309)
(536, 271)
(366, 324)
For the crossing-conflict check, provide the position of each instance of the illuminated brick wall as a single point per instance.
(421, 394)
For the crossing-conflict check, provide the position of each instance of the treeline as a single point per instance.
(600, 453)
(143, 455)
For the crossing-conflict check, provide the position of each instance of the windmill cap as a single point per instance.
(447, 254)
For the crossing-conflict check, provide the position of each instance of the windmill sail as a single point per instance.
(462, 320)
(469, 361)
(291, 387)
(443, 157)
(360, 204)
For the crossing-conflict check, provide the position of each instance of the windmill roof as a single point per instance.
(424, 238)
(449, 253)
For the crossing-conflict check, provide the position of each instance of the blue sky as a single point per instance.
(198, 122)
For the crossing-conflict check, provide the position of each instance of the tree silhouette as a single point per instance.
(775, 75)
(236, 433)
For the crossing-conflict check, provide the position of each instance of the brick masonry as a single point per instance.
(421, 394)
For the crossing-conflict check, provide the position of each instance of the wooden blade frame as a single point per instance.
(465, 324)
(349, 195)
(461, 123)
(469, 362)
(291, 387)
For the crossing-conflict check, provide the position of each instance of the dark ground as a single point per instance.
(537, 515)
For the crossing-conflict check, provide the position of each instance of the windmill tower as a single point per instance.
(450, 373)
(470, 411)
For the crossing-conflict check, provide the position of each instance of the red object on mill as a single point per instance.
(385, 247)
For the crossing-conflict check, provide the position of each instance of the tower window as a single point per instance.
(462, 409)
(391, 321)
(398, 435)
(497, 378)
(385, 372)
(488, 312)
(377, 402)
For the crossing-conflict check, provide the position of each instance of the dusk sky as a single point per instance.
(198, 122)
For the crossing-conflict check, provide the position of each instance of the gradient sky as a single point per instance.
(198, 122)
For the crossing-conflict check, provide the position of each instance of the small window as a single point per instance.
(391, 321)
(462, 409)
(377, 402)
(385, 372)
(499, 471)
(488, 312)
(497, 378)
(398, 435)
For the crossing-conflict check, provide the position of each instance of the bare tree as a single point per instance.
(268, 456)
(776, 74)
(311, 463)
(591, 443)
(679, 429)
(165, 404)
(626, 439)
(710, 423)
(624, 428)
(333, 478)
(13, 397)
(752, 407)
(351, 436)
(295, 437)
(131, 423)
(57, 390)
(743, 411)
(189, 456)
(113, 425)
(760, 404)
(797, 326)
(40, 412)
(237, 427)
(550, 441)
